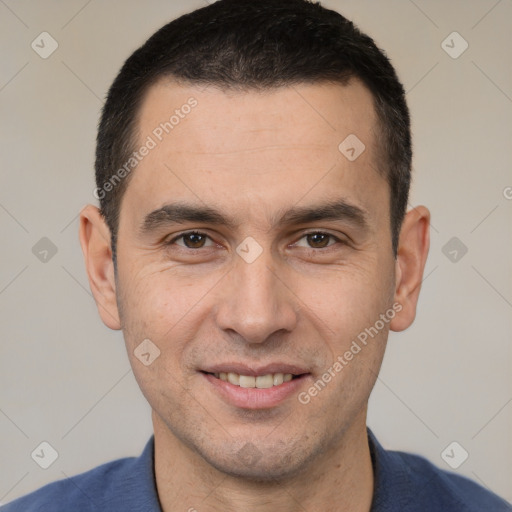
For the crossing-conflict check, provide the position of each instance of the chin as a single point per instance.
(262, 472)
(261, 465)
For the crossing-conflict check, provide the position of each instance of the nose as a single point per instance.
(256, 301)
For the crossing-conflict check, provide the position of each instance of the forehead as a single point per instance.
(276, 146)
(303, 113)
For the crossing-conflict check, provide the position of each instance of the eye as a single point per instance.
(191, 240)
(198, 240)
(317, 240)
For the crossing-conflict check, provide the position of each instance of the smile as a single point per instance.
(262, 391)
(250, 381)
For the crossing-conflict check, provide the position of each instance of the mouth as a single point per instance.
(265, 381)
(264, 388)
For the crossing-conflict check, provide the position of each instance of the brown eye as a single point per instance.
(318, 240)
(194, 240)
(191, 240)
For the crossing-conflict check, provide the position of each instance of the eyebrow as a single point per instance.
(181, 213)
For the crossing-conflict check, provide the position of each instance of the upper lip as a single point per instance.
(253, 370)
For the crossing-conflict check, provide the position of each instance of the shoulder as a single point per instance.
(411, 483)
(123, 484)
(442, 489)
(83, 492)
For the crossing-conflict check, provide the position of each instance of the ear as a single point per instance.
(95, 241)
(412, 254)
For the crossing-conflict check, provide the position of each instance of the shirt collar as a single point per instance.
(392, 481)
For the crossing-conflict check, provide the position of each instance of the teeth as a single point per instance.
(233, 378)
(265, 381)
(249, 381)
(278, 379)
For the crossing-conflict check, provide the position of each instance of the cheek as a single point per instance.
(155, 302)
(158, 310)
(350, 296)
(348, 314)
(169, 310)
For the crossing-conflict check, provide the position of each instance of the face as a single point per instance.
(249, 243)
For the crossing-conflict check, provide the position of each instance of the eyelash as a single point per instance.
(182, 235)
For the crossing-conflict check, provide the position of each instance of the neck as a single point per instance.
(341, 478)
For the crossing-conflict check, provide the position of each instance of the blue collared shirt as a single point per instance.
(403, 483)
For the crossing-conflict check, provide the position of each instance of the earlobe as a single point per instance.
(95, 241)
(411, 258)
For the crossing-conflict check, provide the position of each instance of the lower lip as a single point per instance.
(256, 398)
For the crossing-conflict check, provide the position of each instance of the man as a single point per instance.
(253, 168)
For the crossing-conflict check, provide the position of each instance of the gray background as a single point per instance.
(65, 377)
